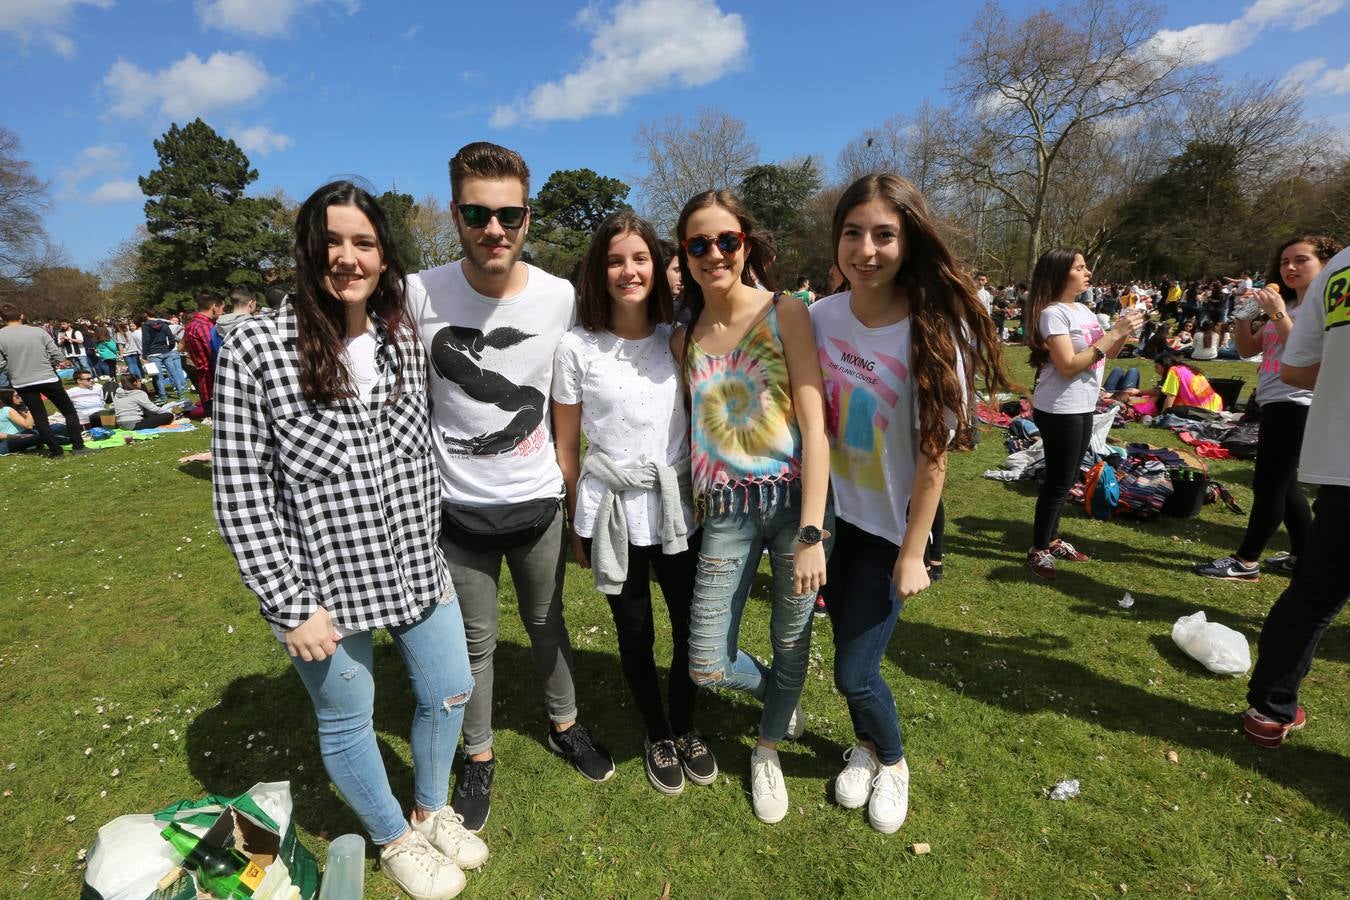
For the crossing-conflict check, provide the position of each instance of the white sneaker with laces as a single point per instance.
(853, 786)
(446, 832)
(797, 723)
(889, 805)
(768, 792)
(420, 869)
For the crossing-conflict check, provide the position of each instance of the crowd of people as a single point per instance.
(384, 441)
(112, 367)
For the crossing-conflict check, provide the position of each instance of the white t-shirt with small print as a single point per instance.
(1322, 335)
(632, 410)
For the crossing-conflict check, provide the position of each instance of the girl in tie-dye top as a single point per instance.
(760, 466)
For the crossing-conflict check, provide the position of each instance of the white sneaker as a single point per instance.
(797, 723)
(420, 869)
(768, 793)
(446, 832)
(853, 786)
(889, 805)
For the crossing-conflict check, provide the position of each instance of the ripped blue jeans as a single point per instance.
(343, 690)
(727, 561)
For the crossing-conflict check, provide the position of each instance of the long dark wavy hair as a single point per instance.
(944, 307)
(760, 254)
(1047, 284)
(320, 320)
(1323, 247)
(595, 308)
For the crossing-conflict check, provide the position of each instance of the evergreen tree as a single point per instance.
(205, 233)
(400, 209)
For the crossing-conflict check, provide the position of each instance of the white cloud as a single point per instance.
(1303, 74)
(44, 20)
(1209, 41)
(637, 48)
(259, 18)
(1334, 81)
(260, 140)
(116, 191)
(189, 87)
(102, 163)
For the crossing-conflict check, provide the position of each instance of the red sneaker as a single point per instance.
(1042, 563)
(1064, 550)
(1264, 731)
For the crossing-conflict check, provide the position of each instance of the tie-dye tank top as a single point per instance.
(743, 437)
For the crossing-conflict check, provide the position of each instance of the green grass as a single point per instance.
(127, 627)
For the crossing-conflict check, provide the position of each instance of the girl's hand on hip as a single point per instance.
(910, 576)
(808, 568)
(313, 640)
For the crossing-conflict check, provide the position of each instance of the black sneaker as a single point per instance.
(1282, 562)
(698, 761)
(576, 744)
(473, 793)
(1229, 568)
(663, 767)
(934, 571)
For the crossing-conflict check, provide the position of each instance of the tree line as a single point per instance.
(1069, 126)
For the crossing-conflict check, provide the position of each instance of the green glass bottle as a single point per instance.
(222, 872)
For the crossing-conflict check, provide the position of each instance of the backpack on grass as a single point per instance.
(1101, 491)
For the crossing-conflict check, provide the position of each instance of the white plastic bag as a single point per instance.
(1217, 647)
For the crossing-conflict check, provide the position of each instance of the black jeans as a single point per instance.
(1276, 496)
(32, 398)
(936, 543)
(1294, 625)
(636, 631)
(1066, 437)
(153, 420)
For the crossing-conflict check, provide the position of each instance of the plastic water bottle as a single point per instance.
(344, 877)
(1147, 420)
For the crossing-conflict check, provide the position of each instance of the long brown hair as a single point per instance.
(1324, 248)
(595, 308)
(944, 307)
(759, 256)
(1047, 283)
(320, 322)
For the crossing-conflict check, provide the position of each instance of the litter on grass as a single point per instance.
(1126, 602)
(1217, 647)
(1065, 790)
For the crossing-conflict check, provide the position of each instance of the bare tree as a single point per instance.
(24, 247)
(1026, 88)
(909, 146)
(119, 277)
(433, 232)
(683, 160)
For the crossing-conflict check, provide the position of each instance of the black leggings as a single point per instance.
(153, 420)
(935, 537)
(635, 628)
(1295, 624)
(1276, 495)
(1066, 437)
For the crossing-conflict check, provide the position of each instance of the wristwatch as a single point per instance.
(1277, 316)
(1098, 352)
(810, 534)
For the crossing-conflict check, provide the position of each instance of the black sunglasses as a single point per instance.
(476, 216)
(728, 242)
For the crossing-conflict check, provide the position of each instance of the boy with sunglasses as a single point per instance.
(490, 324)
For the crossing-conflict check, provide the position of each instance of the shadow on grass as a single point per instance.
(279, 707)
(197, 469)
(1316, 774)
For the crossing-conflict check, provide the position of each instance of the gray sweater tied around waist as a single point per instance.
(609, 540)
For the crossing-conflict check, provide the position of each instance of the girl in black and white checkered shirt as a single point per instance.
(327, 494)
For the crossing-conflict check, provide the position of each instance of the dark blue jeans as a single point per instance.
(863, 608)
(1121, 380)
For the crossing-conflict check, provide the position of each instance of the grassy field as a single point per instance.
(134, 670)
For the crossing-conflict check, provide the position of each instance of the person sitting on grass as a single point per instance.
(17, 433)
(133, 408)
(88, 397)
(1180, 384)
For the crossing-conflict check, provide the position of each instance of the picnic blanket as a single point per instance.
(120, 435)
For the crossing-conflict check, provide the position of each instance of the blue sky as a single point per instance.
(389, 89)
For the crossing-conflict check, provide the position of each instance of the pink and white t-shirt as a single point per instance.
(1269, 387)
(1078, 394)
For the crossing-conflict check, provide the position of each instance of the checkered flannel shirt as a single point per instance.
(334, 505)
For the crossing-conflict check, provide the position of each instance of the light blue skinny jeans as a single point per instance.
(170, 369)
(727, 561)
(343, 690)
